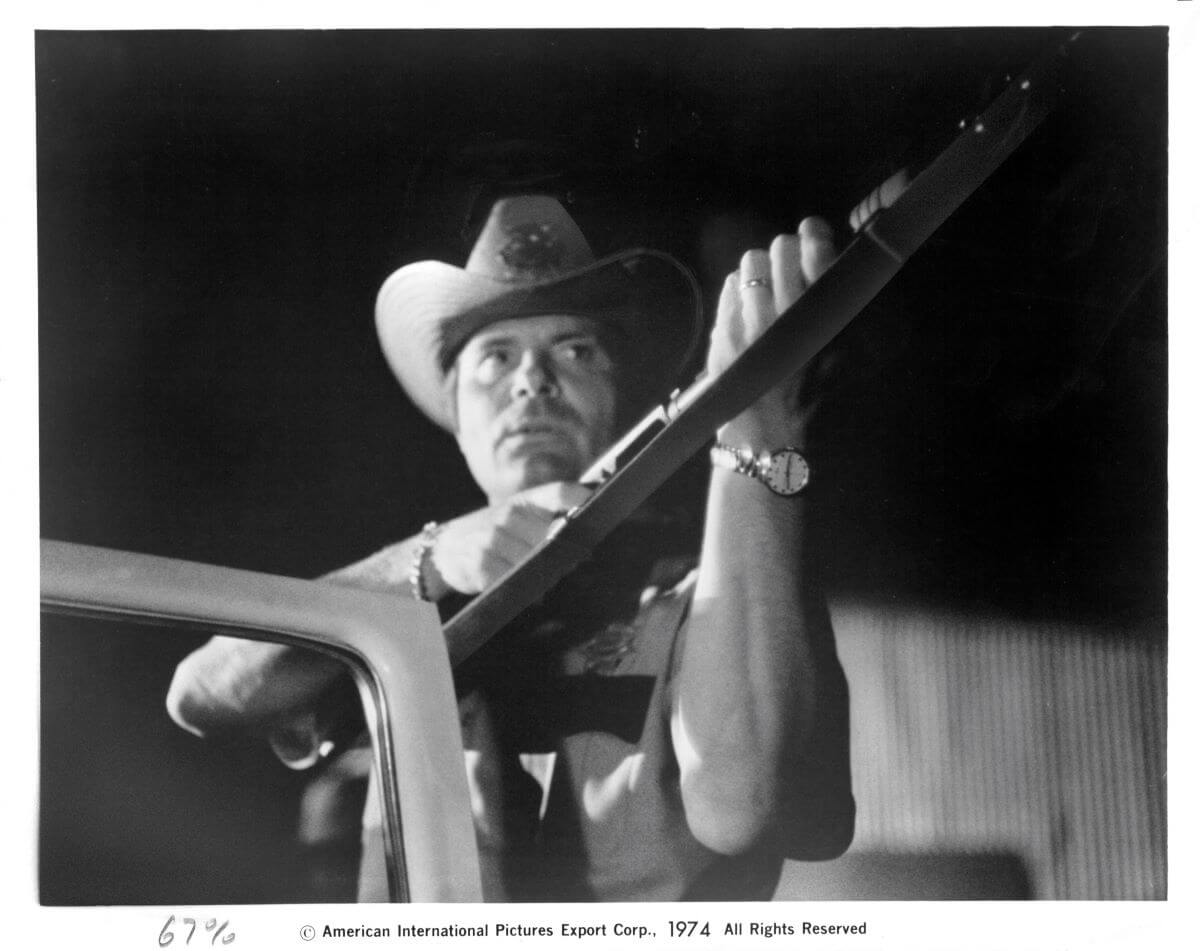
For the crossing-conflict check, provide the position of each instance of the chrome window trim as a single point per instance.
(393, 645)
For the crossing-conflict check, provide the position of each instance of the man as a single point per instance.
(662, 727)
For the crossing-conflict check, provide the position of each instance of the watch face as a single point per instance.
(787, 473)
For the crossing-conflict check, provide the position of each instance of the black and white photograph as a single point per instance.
(601, 465)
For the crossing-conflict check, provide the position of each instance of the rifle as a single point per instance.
(891, 224)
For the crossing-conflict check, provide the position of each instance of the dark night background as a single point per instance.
(217, 210)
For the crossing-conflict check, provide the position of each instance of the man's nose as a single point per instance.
(534, 376)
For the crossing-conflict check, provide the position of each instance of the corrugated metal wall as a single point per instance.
(1047, 740)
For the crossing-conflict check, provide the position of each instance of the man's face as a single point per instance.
(536, 402)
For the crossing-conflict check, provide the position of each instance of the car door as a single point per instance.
(111, 799)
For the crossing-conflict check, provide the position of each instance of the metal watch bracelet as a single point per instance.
(784, 471)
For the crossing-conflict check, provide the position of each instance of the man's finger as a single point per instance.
(816, 247)
(556, 497)
(720, 340)
(527, 522)
(758, 296)
(511, 547)
(786, 273)
(492, 567)
(730, 300)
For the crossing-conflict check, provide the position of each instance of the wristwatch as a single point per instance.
(783, 471)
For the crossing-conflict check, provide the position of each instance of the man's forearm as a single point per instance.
(231, 683)
(759, 668)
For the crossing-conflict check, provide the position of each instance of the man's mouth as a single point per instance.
(538, 429)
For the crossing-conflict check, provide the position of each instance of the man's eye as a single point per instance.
(580, 351)
(492, 365)
(586, 354)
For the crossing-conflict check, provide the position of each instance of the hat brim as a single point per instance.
(426, 312)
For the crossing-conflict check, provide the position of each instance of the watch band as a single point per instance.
(784, 471)
(741, 461)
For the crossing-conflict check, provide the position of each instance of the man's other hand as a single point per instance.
(765, 285)
(473, 551)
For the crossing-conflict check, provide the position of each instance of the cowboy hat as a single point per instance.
(531, 258)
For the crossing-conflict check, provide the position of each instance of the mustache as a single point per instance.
(538, 415)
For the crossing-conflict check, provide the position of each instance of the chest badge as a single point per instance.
(604, 652)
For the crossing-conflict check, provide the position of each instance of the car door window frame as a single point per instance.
(392, 645)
